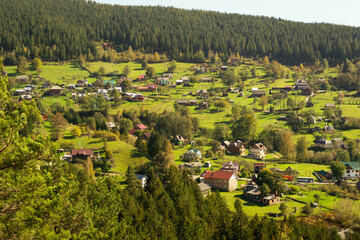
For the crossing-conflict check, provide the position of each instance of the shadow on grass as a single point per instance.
(137, 154)
(250, 203)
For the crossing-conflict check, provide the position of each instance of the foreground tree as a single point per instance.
(245, 128)
(337, 169)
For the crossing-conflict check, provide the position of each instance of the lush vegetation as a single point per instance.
(42, 197)
(66, 29)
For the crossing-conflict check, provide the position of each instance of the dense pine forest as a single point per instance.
(65, 29)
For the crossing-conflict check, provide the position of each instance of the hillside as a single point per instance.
(64, 29)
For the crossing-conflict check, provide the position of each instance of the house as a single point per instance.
(179, 82)
(141, 77)
(230, 167)
(203, 93)
(352, 169)
(258, 150)
(168, 75)
(224, 68)
(193, 102)
(192, 154)
(143, 89)
(178, 140)
(271, 199)
(22, 79)
(138, 127)
(203, 105)
(110, 125)
(119, 89)
(329, 129)
(73, 95)
(237, 148)
(82, 83)
(226, 181)
(152, 87)
(26, 97)
(137, 98)
(103, 92)
(142, 179)
(290, 171)
(258, 93)
(182, 102)
(205, 189)
(72, 86)
(55, 90)
(301, 84)
(192, 165)
(258, 167)
(323, 143)
(225, 94)
(339, 143)
(20, 92)
(315, 129)
(307, 91)
(82, 154)
(329, 105)
(252, 192)
(146, 135)
(185, 79)
(163, 81)
(323, 175)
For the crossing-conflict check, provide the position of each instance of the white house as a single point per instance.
(258, 150)
(104, 93)
(142, 179)
(352, 169)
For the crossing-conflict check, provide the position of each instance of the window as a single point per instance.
(347, 171)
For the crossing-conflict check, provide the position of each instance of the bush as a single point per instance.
(109, 136)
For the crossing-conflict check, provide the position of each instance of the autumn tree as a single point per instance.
(37, 63)
(301, 149)
(287, 147)
(76, 131)
(58, 124)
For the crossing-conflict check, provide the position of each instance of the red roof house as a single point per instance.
(81, 154)
(226, 181)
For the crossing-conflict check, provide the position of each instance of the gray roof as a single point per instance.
(204, 187)
(253, 191)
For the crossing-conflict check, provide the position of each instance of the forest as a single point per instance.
(65, 29)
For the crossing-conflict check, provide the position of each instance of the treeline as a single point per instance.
(66, 29)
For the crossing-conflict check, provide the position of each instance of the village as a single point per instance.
(202, 91)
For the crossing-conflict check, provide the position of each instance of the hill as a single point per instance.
(64, 29)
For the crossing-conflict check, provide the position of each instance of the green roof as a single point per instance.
(353, 164)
